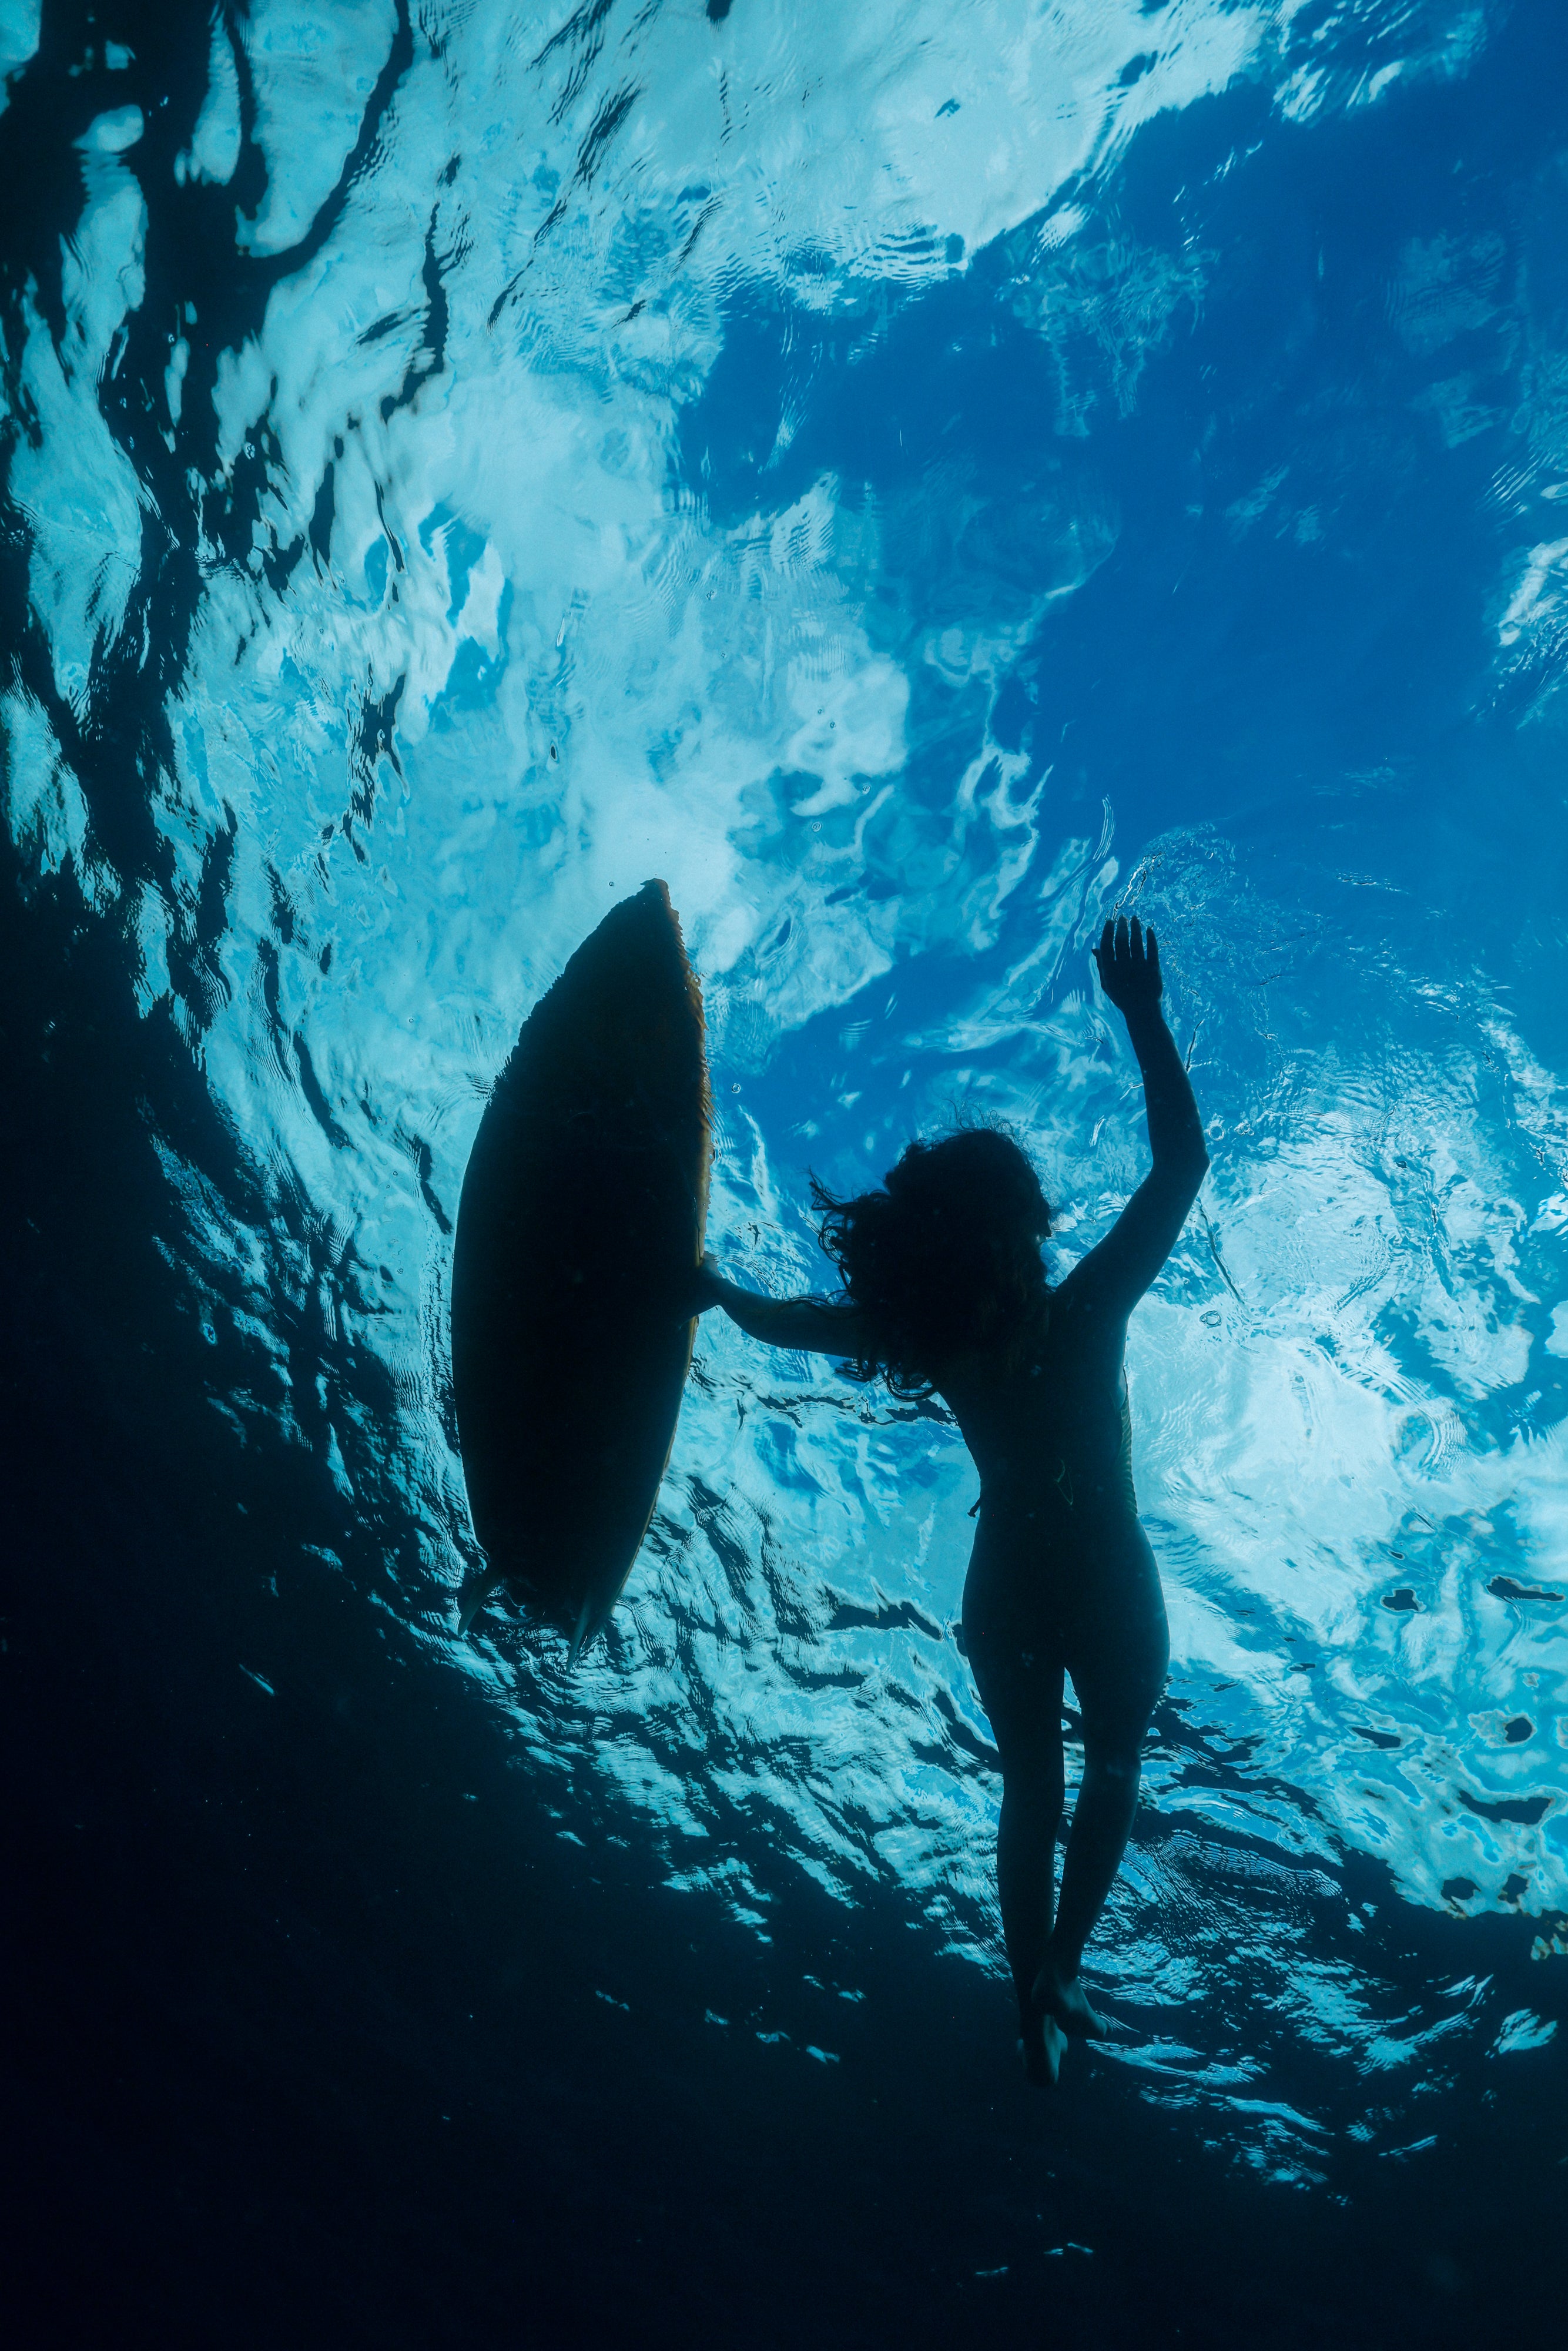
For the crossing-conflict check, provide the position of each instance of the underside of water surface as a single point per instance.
(917, 480)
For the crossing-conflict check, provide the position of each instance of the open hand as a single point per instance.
(1128, 961)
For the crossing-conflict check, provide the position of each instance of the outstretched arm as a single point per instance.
(811, 1325)
(1124, 1264)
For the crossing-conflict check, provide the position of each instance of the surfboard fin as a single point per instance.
(579, 1638)
(473, 1592)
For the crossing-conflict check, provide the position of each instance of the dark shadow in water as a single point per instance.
(320, 2023)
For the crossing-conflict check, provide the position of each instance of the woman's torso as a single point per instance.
(1048, 1424)
(1062, 1571)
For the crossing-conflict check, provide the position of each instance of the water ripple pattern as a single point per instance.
(919, 480)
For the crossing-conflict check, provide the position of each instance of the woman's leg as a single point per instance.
(1118, 1667)
(1032, 1785)
(1026, 1870)
(1023, 1695)
(1101, 1822)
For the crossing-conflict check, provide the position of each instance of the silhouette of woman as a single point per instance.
(946, 1293)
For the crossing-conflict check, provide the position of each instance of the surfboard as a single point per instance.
(578, 1228)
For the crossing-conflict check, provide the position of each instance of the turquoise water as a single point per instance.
(917, 480)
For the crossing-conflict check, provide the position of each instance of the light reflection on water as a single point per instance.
(853, 471)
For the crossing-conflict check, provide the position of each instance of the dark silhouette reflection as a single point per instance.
(945, 1294)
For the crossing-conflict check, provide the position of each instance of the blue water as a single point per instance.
(919, 480)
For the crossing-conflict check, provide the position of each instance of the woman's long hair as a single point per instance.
(945, 1258)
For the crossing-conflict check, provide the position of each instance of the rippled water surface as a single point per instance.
(917, 479)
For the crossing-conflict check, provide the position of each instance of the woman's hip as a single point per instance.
(1097, 1611)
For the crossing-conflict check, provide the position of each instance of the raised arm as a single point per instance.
(811, 1325)
(1121, 1268)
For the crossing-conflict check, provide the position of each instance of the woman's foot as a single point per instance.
(1061, 1996)
(1042, 2048)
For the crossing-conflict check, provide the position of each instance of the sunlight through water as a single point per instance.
(917, 480)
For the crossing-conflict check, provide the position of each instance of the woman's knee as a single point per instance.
(1116, 1708)
(1113, 1742)
(1119, 1766)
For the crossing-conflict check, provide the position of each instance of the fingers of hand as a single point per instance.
(1129, 943)
(1126, 951)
